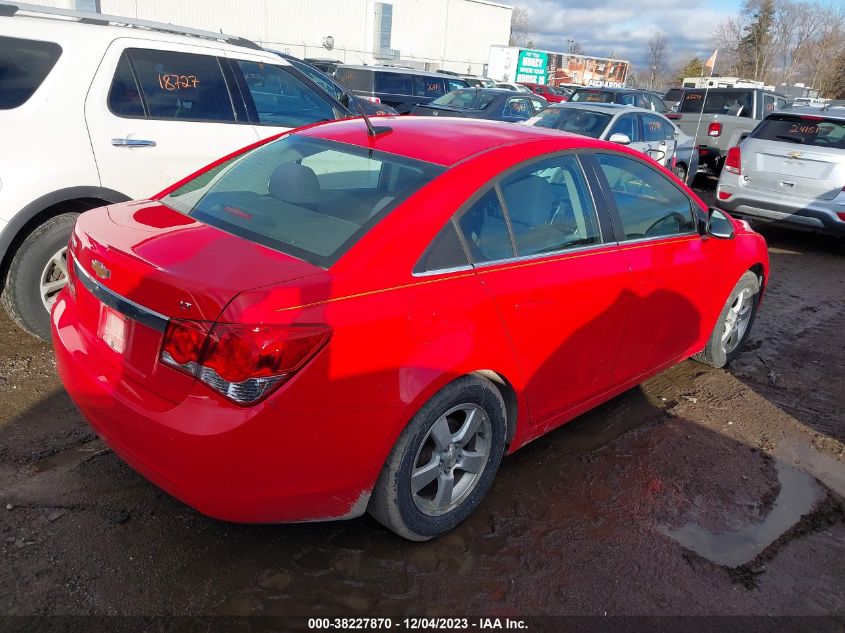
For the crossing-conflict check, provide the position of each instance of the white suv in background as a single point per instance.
(100, 109)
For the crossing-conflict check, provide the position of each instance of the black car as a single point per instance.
(497, 104)
(400, 88)
(334, 89)
(626, 96)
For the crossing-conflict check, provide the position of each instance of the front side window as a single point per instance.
(182, 86)
(308, 197)
(649, 204)
(24, 65)
(431, 87)
(550, 207)
(465, 99)
(281, 99)
(628, 126)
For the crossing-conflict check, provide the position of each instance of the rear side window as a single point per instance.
(281, 99)
(444, 252)
(355, 78)
(124, 94)
(182, 86)
(728, 102)
(485, 229)
(815, 131)
(656, 129)
(466, 99)
(394, 83)
(550, 207)
(308, 197)
(24, 65)
(518, 108)
(649, 204)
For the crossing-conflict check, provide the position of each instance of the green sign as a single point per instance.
(531, 67)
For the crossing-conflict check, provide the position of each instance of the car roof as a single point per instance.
(610, 89)
(440, 140)
(395, 69)
(835, 112)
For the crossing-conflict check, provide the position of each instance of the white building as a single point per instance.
(428, 34)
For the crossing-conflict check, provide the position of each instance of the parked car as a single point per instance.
(508, 85)
(401, 309)
(641, 129)
(547, 92)
(625, 96)
(484, 103)
(790, 171)
(473, 81)
(400, 88)
(98, 109)
(354, 104)
(720, 118)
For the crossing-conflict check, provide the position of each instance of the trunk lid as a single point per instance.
(796, 171)
(139, 264)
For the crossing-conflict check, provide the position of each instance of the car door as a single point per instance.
(670, 263)
(157, 112)
(547, 258)
(659, 137)
(276, 98)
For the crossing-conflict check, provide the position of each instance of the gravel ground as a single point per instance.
(701, 492)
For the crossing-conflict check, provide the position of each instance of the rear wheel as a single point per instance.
(37, 273)
(734, 324)
(444, 462)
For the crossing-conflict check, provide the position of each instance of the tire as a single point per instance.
(720, 352)
(22, 291)
(421, 515)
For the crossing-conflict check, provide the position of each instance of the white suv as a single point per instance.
(98, 109)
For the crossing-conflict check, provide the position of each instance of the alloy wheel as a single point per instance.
(451, 459)
(737, 320)
(53, 278)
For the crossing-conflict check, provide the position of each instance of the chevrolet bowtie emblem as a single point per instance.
(100, 269)
(795, 154)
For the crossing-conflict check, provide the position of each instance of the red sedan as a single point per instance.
(335, 322)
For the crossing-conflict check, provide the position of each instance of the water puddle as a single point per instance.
(70, 457)
(799, 494)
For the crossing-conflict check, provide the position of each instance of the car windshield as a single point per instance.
(465, 99)
(593, 96)
(310, 198)
(731, 103)
(810, 130)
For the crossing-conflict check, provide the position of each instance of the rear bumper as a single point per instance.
(791, 211)
(253, 465)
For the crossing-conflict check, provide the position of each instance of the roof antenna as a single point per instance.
(372, 130)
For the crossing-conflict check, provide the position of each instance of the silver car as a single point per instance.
(640, 129)
(790, 170)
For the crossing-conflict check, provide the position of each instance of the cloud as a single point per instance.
(623, 27)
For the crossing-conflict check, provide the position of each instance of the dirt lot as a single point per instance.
(701, 492)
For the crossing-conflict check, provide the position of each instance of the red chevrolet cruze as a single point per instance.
(336, 322)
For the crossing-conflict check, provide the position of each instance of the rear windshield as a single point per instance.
(593, 96)
(575, 120)
(809, 130)
(466, 99)
(24, 64)
(728, 102)
(310, 198)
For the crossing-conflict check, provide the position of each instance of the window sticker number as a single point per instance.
(173, 81)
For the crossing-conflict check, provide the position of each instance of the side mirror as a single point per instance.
(622, 139)
(719, 225)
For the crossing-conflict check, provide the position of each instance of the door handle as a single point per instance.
(132, 142)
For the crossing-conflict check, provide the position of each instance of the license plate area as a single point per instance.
(112, 329)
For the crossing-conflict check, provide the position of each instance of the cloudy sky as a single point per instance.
(623, 27)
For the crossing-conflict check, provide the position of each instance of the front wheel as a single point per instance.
(444, 462)
(37, 273)
(734, 324)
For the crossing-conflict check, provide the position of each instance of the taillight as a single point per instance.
(714, 129)
(733, 161)
(373, 99)
(724, 195)
(242, 362)
(841, 214)
(673, 115)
